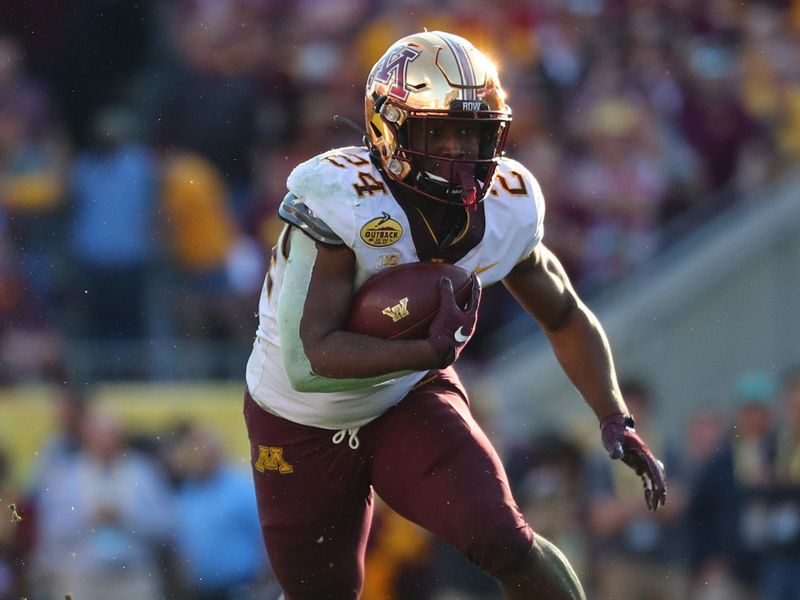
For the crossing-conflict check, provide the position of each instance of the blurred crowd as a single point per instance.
(108, 512)
(144, 148)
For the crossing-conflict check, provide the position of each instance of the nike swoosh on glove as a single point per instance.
(453, 327)
(621, 441)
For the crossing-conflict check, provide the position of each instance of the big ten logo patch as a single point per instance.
(270, 458)
(381, 231)
(388, 260)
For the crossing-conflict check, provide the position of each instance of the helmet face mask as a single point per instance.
(436, 117)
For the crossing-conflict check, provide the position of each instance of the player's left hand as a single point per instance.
(452, 327)
(621, 441)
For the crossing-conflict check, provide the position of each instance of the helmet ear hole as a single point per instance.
(379, 102)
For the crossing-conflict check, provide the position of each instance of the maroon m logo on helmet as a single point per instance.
(393, 69)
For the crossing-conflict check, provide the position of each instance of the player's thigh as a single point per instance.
(314, 503)
(434, 465)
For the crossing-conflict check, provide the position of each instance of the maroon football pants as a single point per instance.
(426, 457)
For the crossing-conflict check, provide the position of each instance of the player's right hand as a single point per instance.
(452, 327)
(621, 441)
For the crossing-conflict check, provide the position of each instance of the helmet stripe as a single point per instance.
(464, 65)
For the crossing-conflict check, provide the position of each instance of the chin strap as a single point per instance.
(461, 190)
(465, 176)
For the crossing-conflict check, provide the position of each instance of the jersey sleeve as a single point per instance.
(322, 188)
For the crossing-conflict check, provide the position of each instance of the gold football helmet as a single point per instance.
(422, 84)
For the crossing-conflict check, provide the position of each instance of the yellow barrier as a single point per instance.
(27, 415)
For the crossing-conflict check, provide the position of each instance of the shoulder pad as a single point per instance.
(328, 175)
(294, 212)
(518, 180)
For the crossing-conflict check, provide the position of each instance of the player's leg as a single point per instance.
(435, 466)
(315, 506)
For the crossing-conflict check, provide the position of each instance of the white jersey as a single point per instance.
(343, 189)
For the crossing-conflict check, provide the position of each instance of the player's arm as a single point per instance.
(541, 286)
(312, 308)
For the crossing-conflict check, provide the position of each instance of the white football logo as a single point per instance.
(460, 337)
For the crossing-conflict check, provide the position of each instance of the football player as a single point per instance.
(334, 415)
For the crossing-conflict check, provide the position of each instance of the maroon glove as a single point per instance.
(621, 441)
(452, 327)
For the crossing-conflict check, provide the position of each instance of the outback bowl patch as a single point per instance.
(381, 231)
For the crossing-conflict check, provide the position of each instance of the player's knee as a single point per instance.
(500, 550)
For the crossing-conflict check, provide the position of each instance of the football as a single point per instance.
(401, 302)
